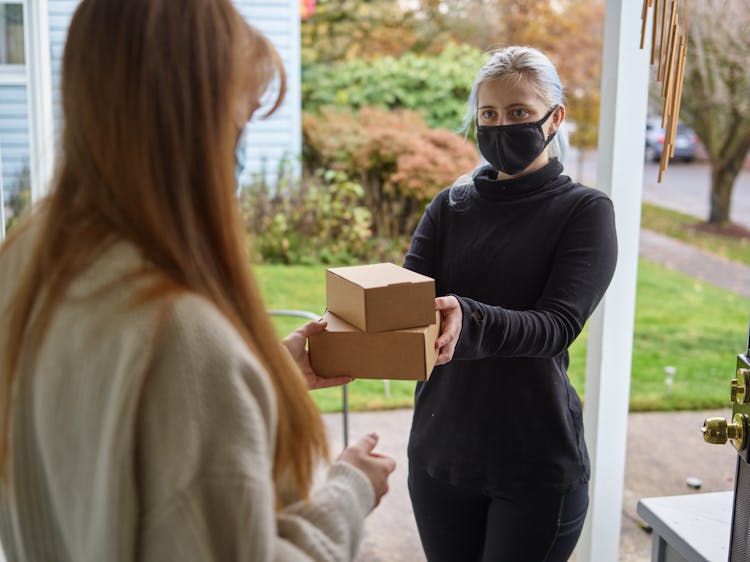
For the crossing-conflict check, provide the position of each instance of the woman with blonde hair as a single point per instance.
(148, 411)
(521, 255)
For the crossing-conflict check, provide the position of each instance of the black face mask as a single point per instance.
(512, 148)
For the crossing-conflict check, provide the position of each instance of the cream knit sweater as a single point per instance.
(147, 433)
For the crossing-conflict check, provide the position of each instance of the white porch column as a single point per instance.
(622, 125)
(39, 88)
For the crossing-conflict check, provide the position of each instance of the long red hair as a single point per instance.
(149, 96)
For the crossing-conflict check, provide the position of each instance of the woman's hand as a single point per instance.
(376, 467)
(296, 344)
(452, 320)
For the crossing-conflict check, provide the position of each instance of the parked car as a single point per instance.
(685, 143)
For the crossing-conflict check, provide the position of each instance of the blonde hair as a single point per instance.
(149, 88)
(530, 64)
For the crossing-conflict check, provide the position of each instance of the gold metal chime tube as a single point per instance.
(670, 32)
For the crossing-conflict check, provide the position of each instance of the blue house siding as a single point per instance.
(59, 14)
(14, 134)
(280, 136)
(269, 140)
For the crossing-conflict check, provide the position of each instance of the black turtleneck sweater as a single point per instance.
(529, 259)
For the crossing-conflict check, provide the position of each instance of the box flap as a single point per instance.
(336, 324)
(379, 275)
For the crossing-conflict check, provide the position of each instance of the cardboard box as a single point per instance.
(380, 297)
(342, 349)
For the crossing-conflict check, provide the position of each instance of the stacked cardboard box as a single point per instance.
(382, 324)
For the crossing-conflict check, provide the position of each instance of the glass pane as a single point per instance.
(11, 33)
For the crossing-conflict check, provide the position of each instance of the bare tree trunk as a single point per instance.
(373, 199)
(722, 182)
(715, 101)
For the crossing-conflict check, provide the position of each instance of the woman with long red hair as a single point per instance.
(148, 410)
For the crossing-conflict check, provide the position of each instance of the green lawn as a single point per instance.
(680, 322)
(679, 225)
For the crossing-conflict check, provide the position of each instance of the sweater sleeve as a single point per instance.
(205, 442)
(583, 266)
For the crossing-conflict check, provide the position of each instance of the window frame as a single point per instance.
(15, 74)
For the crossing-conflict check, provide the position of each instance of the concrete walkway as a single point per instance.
(391, 533)
(702, 265)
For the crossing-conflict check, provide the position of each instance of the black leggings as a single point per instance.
(458, 525)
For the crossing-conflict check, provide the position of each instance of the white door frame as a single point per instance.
(39, 89)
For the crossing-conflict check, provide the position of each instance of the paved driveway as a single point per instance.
(685, 187)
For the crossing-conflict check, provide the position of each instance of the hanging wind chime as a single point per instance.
(669, 32)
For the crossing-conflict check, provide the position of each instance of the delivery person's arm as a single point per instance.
(583, 266)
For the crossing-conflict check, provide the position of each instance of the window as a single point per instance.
(11, 33)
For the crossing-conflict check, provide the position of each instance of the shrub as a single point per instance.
(437, 86)
(320, 221)
(398, 160)
(19, 200)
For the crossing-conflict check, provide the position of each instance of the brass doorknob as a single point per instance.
(718, 431)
